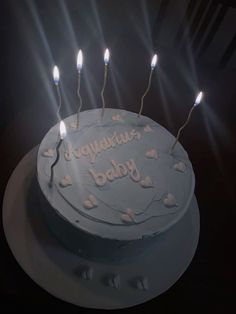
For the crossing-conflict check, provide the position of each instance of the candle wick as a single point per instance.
(181, 128)
(145, 93)
(103, 88)
(80, 99)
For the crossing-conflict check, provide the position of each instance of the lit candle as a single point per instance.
(56, 78)
(62, 132)
(197, 102)
(153, 65)
(79, 68)
(106, 60)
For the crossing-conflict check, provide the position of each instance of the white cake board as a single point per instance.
(57, 270)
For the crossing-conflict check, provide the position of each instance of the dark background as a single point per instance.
(195, 41)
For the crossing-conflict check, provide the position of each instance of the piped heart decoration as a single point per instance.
(87, 273)
(114, 281)
(142, 283)
(48, 153)
(128, 216)
(117, 117)
(147, 129)
(91, 202)
(180, 166)
(146, 182)
(169, 200)
(66, 181)
(151, 153)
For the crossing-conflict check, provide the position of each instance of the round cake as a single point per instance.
(116, 186)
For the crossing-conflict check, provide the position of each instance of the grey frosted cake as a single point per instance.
(116, 186)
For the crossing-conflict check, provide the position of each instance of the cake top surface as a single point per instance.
(116, 177)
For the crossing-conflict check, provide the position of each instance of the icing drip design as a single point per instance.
(66, 181)
(146, 182)
(152, 154)
(180, 166)
(170, 201)
(91, 202)
(48, 153)
(142, 283)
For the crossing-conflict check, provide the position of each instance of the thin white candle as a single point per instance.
(79, 68)
(106, 61)
(153, 65)
(196, 103)
(56, 78)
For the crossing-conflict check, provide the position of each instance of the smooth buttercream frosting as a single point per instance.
(116, 175)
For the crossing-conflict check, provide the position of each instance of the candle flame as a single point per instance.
(198, 99)
(106, 56)
(62, 130)
(79, 60)
(154, 61)
(56, 75)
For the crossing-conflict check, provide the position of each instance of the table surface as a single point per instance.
(35, 40)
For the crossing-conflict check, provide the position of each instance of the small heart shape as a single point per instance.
(87, 273)
(147, 129)
(180, 166)
(48, 153)
(146, 182)
(142, 284)
(66, 181)
(116, 117)
(130, 212)
(170, 201)
(114, 281)
(126, 218)
(91, 202)
(88, 204)
(151, 153)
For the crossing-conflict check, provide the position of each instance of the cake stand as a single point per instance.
(58, 270)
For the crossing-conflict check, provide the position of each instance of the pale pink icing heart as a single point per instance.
(146, 182)
(116, 118)
(66, 181)
(151, 153)
(170, 201)
(48, 153)
(91, 202)
(147, 128)
(88, 204)
(180, 166)
(126, 218)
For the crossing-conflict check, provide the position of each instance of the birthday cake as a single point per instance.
(116, 187)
